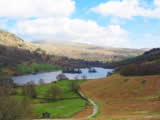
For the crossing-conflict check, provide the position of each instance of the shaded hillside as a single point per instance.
(87, 52)
(146, 64)
(14, 51)
(125, 97)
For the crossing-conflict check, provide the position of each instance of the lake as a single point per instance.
(51, 76)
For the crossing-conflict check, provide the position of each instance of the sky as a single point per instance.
(114, 23)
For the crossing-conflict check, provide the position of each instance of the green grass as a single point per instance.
(36, 68)
(5, 76)
(3, 69)
(62, 108)
(66, 107)
(99, 109)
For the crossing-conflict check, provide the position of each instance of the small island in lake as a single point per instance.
(72, 70)
(92, 70)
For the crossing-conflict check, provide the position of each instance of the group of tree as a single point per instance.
(141, 69)
(75, 86)
(12, 108)
(29, 90)
(61, 77)
(54, 93)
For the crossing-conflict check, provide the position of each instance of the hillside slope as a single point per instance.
(125, 97)
(14, 51)
(146, 64)
(11, 40)
(87, 52)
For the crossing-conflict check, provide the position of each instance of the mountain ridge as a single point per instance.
(86, 51)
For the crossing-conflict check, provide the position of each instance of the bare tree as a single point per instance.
(29, 90)
(75, 86)
(12, 108)
(41, 82)
(76, 77)
(84, 77)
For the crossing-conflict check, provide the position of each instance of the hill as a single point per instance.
(87, 52)
(146, 64)
(16, 53)
(125, 98)
(11, 40)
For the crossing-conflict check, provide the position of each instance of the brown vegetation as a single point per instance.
(125, 97)
(141, 69)
(87, 52)
(29, 90)
(12, 108)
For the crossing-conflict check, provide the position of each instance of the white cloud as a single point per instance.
(36, 8)
(63, 28)
(127, 9)
(157, 2)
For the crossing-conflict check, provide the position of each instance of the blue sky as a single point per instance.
(115, 23)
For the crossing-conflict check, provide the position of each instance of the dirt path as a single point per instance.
(95, 107)
(94, 111)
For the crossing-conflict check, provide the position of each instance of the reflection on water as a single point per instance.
(51, 76)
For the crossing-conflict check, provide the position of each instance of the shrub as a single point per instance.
(143, 81)
(126, 80)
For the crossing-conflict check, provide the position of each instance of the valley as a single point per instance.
(116, 83)
(79, 59)
(87, 52)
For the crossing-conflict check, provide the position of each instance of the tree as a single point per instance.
(41, 82)
(12, 108)
(84, 77)
(54, 93)
(61, 77)
(76, 77)
(29, 90)
(75, 86)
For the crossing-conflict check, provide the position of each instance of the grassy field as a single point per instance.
(66, 107)
(36, 68)
(29, 69)
(125, 97)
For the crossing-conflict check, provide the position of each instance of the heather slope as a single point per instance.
(146, 64)
(125, 97)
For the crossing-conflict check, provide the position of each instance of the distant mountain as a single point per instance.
(86, 51)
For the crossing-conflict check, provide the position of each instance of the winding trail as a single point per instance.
(94, 112)
(95, 107)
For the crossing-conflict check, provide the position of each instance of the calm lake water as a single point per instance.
(51, 76)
